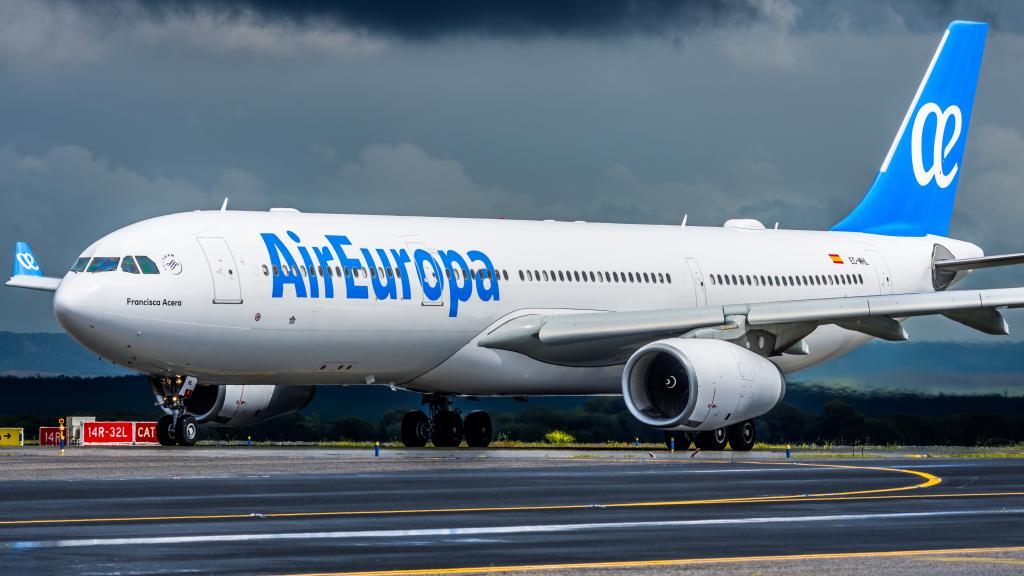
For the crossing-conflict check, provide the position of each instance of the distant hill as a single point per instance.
(51, 354)
(946, 367)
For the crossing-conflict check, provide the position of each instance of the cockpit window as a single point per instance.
(128, 265)
(80, 264)
(147, 265)
(103, 264)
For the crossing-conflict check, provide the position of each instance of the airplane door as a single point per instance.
(699, 290)
(226, 287)
(881, 270)
(429, 275)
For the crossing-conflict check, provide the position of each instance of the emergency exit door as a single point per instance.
(700, 291)
(226, 287)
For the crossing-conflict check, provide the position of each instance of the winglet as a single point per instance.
(25, 263)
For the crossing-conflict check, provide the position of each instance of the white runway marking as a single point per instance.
(485, 530)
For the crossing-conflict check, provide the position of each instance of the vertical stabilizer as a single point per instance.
(915, 189)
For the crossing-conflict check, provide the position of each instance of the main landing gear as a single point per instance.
(444, 426)
(176, 428)
(740, 437)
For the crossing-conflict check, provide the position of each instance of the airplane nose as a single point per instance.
(67, 307)
(75, 310)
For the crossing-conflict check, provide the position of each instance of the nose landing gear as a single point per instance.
(444, 426)
(176, 427)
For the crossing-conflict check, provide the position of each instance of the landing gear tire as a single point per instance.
(163, 430)
(712, 439)
(682, 440)
(447, 430)
(187, 431)
(478, 430)
(415, 429)
(741, 436)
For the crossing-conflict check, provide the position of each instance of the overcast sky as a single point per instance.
(606, 111)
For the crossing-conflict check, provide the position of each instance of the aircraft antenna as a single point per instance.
(224, 206)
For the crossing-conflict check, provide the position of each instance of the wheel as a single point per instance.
(712, 439)
(415, 429)
(478, 429)
(163, 430)
(741, 436)
(682, 440)
(187, 431)
(447, 430)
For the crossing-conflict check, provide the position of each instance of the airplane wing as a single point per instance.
(604, 338)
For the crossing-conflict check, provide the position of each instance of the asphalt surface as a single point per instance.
(288, 511)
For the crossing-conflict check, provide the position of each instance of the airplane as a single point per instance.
(237, 316)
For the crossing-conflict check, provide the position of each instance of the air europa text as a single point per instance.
(463, 276)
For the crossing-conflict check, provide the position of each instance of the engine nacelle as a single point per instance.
(242, 404)
(696, 385)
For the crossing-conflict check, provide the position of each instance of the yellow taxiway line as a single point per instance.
(928, 481)
(941, 554)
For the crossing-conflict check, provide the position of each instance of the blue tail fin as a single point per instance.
(24, 262)
(914, 191)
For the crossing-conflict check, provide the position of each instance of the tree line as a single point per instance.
(602, 420)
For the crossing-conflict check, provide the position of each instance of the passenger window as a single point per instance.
(712, 279)
(80, 265)
(128, 265)
(103, 264)
(266, 271)
(668, 278)
(275, 271)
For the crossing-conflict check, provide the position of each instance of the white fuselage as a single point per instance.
(212, 312)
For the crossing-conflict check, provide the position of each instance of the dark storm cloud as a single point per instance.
(523, 18)
(414, 20)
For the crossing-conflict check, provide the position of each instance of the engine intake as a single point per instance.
(691, 384)
(242, 404)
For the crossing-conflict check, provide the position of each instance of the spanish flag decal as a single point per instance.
(836, 258)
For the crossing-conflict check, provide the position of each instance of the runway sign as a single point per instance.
(49, 436)
(145, 433)
(107, 433)
(118, 433)
(12, 436)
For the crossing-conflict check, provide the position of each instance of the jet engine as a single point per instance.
(698, 385)
(242, 404)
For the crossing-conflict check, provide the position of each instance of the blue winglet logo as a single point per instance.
(24, 261)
